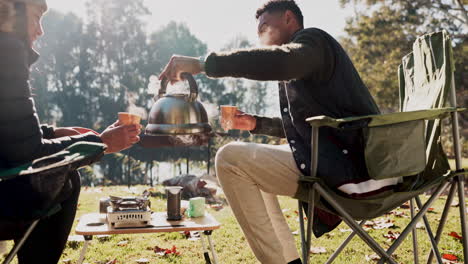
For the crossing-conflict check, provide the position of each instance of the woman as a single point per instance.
(23, 139)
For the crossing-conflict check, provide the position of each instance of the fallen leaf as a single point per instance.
(401, 214)
(285, 210)
(164, 252)
(383, 223)
(122, 243)
(318, 250)
(455, 235)
(431, 210)
(392, 235)
(296, 233)
(216, 207)
(67, 261)
(420, 226)
(373, 257)
(142, 261)
(449, 257)
(114, 261)
(455, 204)
(342, 230)
(369, 224)
(192, 236)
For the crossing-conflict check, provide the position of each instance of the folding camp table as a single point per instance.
(95, 224)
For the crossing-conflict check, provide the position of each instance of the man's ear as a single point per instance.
(289, 17)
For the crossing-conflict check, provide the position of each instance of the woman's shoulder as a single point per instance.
(10, 42)
(13, 55)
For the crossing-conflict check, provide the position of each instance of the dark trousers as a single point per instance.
(46, 243)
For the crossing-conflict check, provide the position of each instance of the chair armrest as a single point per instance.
(73, 157)
(381, 120)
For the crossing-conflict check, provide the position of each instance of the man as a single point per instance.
(22, 139)
(316, 78)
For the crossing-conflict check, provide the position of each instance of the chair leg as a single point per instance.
(458, 164)
(18, 245)
(414, 235)
(462, 207)
(310, 220)
(443, 218)
(306, 238)
(343, 245)
(417, 217)
(351, 223)
(302, 230)
(434, 243)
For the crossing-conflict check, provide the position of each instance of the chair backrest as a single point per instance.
(425, 77)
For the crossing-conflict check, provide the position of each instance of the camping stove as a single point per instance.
(129, 212)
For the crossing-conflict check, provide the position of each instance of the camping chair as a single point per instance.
(56, 166)
(404, 144)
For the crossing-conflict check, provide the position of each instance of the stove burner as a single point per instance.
(129, 203)
(129, 212)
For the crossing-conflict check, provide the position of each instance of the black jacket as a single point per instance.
(316, 78)
(21, 137)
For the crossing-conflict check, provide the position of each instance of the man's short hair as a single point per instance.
(282, 6)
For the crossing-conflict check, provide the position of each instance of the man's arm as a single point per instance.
(269, 126)
(307, 56)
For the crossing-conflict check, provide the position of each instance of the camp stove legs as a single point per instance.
(206, 254)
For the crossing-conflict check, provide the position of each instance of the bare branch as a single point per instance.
(462, 7)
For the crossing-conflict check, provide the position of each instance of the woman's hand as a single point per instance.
(118, 137)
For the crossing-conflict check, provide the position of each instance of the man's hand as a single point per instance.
(118, 138)
(180, 64)
(243, 121)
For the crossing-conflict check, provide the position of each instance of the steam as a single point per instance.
(133, 108)
(212, 111)
(154, 85)
(189, 140)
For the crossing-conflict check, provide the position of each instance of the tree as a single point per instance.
(382, 32)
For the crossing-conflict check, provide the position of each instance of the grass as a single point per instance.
(231, 245)
(464, 163)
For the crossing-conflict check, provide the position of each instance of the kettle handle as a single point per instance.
(186, 76)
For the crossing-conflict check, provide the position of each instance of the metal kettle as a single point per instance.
(177, 114)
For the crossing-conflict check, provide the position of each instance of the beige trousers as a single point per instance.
(252, 175)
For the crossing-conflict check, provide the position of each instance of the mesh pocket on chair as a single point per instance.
(396, 150)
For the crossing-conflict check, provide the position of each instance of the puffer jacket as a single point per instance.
(22, 139)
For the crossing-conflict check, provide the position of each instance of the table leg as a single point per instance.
(85, 247)
(206, 254)
(213, 251)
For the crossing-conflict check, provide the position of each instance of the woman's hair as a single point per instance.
(7, 16)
